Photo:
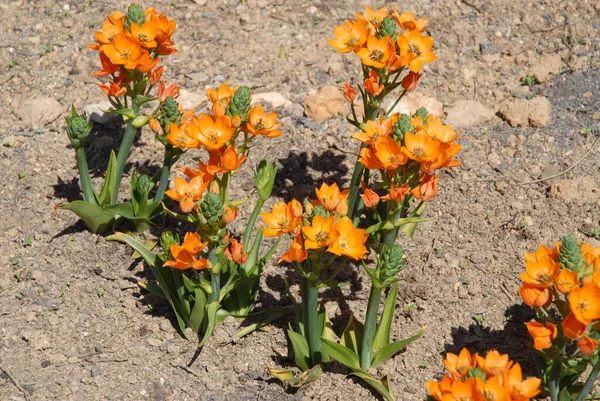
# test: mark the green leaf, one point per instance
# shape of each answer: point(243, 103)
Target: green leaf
point(110, 181)
point(564, 395)
point(273, 314)
point(352, 335)
point(381, 386)
point(409, 220)
point(300, 347)
point(388, 351)
point(308, 376)
point(127, 113)
point(137, 246)
point(373, 276)
point(341, 354)
point(282, 375)
point(382, 335)
point(96, 219)
point(211, 312)
point(198, 311)
point(382, 225)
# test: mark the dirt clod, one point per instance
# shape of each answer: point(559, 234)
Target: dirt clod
point(468, 113)
point(328, 102)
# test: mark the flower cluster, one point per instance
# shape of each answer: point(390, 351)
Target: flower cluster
point(408, 151)
point(568, 276)
point(130, 46)
point(491, 378)
point(386, 42)
point(324, 226)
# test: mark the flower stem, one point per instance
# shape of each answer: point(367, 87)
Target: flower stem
point(370, 328)
point(163, 182)
point(124, 149)
point(589, 382)
point(84, 175)
point(310, 312)
point(251, 222)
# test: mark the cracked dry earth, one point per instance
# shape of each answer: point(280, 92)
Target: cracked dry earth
point(73, 323)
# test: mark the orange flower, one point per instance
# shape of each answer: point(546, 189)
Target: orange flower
point(372, 84)
point(154, 76)
point(283, 219)
point(332, 199)
point(410, 81)
point(320, 233)
point(417, 49)
point(566, 281)
point(492, 389)
point(542, 335)
point(369, 160)
point(296, 253)
point(220, 99)
point(459, 365)
point(373, 132)
point(187, 193)
point(113, 89)
point(437, 390)
point(494, 363)
point(369, 197)
point(377, 52)
point(111, 29)
point(349, 92)
point(203, 172)
point(178, 137)
point(172, 91)
point(211, 132)
point(230, 214)
point(261, 123)
point(542, 252)
point(461, 391)
point(351, 241)
point(145, 63)
point(420, 146)
point(223, 161)
point(585, 302)
point(407, 21)
point(146, 33)
point(235, 252)
point(521, 390)
point(375, 17)
point(587, 345)
point(535, 296)
point(349, 37)
point(436, 129)
point(186, 255)
point(108, 67)
point(389, 153)
point(123, 51)
point(573, 328)
point(540, 273)
point(396, 194)
point(428, 188)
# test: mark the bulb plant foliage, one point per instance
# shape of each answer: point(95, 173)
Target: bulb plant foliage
point(130, 46)
point(562, 284)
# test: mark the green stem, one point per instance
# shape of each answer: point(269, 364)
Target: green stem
point(251, 223)
point(163, 182)
point(387, 113)
point(390, 236)
point(370, 328)
point(553, 382)
point(84, 175)
point(225, 186)
point(589, 382)
point(124, 149)
point(310, 295)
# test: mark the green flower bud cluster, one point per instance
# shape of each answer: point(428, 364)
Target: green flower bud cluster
point(264, 179)
point(401, 127)
point(240, 103)
point(78, 128)
point(391, 261)
point(135, 14)
point(166, 240)
point(388, 28)
point(422, 112)
point(570, 255)
point(211, 207)
point(140, 189)
point(169, 113)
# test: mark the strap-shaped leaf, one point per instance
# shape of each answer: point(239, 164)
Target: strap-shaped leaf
point(273, 314)
point(388, 351)
point(109, 186)
point(96, 219)
point(352, 335)
point(382, 225)
point(308, 376)
point(381, 386)
point(343, 355)
point(211, 313)
point(137, 246)
point(198, 311)
point(300, 347)
point(382, 335)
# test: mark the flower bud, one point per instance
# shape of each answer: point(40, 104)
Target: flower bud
point(264, 179)
point(587, 345)
point(240, 103)
point(570, 255)
point(135, 14)
point(388, 28)
point(166, 240)
point(230, 214)
point(78, 128)
point(212, 207)
point(422, 112)
point(170, 113)
point(410, 81)
point(401, 127)
point(392, 260)
point(140, 121)
point(349, 92)
point(140, 188)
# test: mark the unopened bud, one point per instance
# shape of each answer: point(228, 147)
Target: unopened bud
point(264, 179)
point(240, 103)
point(212, 207)
point(570, 255)
point(135, 14)
point(78, 128)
